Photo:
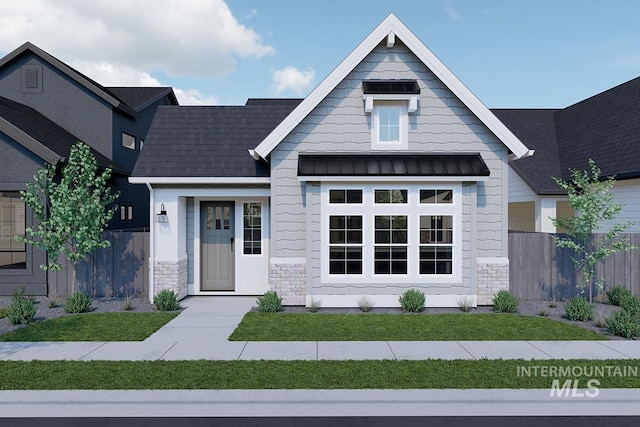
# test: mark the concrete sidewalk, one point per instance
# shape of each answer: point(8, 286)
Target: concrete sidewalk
point(201, 331)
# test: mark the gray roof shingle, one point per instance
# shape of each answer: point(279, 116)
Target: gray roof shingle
point(46, 132)
point(210, 141)
point(604, 127)
point(139, 97)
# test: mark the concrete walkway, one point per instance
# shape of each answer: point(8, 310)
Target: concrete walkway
point(201, 331)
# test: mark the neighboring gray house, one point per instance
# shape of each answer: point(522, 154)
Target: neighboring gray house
point(604, 127)
point(390, 175)
point(45, 108)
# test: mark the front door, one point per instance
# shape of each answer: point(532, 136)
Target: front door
point(216, 237)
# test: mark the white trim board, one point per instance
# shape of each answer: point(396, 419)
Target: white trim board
point(392, 24)
point(452, 300)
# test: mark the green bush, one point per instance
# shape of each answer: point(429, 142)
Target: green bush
point(578, 308)
point(21, 310)
point(631, 303)
point(412, 301)
point(78, 302)
point(166, 300)
point(617, 293)
point(270, 302)
point(504, 302)
point(624, 323)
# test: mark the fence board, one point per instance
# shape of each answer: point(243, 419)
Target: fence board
point(119, 270)
point(540, 270)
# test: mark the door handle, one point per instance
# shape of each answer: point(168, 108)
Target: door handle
point(231, 241)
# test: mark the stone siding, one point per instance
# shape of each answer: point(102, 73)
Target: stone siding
point(289, 281)
point(171, 275)
point(491, 278)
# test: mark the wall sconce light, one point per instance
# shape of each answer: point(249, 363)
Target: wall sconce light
point(162, 216)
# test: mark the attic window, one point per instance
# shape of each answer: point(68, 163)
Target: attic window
point(32, 78)
point(128, 141)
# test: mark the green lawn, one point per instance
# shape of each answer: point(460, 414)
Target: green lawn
point(384, 374)
point(404, 327)
point(92, 327)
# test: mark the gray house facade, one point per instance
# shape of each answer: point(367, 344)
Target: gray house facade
point(45, 108)
point(390, 175)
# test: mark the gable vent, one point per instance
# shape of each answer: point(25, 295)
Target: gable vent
point(32, 78)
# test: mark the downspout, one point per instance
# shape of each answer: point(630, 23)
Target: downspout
point(152, 269)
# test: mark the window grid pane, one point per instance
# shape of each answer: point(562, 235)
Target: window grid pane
point(436, 196)
point(12, 223)
point(436, 244)
point(252, 220)
point(345, 240)
point(389, 124)
point(390, 252)
point(391, 196)
point(345, 196)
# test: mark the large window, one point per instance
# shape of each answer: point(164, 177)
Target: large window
point(391, 232)
point(13, 253)
point(252, 219)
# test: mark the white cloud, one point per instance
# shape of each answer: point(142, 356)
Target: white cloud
point(290, 78)
point(450, 10)
point(198, 37)
point(194, 97)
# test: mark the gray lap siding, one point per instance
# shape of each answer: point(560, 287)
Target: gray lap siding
point(339, 124)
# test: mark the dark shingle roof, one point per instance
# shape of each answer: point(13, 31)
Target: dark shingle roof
point(209, 141)
point(406, 164)
point(139, 97)
point(537, 130)
point(605, 128)
point(46, 132)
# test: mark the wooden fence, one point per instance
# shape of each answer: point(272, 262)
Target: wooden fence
point(119, 270)
point(539, 270)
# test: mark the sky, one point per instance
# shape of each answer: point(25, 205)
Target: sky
point(509, 53)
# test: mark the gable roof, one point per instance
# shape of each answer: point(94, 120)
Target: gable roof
point(41, 136)
point(604, 127)
point(70, 72)
point(391, 26)
point(209, 141)
point(140, 98)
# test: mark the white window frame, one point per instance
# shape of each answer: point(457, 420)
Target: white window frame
point(413, 210)
point(403, 142)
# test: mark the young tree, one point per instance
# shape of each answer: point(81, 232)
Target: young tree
point(71, 208)
point(593, 202)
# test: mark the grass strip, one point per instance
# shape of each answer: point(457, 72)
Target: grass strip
point(385, 374)
point(92, 327)
point(405, 327)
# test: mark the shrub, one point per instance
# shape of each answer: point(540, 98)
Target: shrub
point(465, 304)
point(21, 309)
point(270, 302)
point(624, 323)
point(553, 304)
point(412, 301)
point(127, 303)
point(504, 302)
point(365, 303)
point(314, 305)
point(617, 293)
point(78, 302)
point(543, 312)
point(578, 308)
point(166, 300)
point(53, 302)
point(631, 303)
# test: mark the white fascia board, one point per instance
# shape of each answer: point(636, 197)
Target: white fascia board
point(382, 178)
point(392, 24)
point(181, 180)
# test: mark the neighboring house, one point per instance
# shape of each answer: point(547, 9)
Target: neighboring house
point(390, 175)
point(605, 128)
point(45, 108)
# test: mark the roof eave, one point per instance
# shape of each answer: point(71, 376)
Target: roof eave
point(30, 143)
point(391, 24)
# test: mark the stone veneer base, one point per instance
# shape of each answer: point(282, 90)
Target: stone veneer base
point(490, 279)
point(171, 275)
point(288, 279)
